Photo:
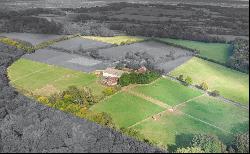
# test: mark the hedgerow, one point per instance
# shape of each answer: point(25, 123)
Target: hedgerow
point(17, 44)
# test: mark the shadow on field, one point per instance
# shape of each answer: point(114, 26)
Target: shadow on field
point(182, 141)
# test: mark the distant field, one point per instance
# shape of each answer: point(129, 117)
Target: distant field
point(34, 39)
point(44, 79)
point(117, 40)
point(177, 128)
point(169, 92)
point(127, 109)
point(79, 43)
point(216, 51)
point(231, 84)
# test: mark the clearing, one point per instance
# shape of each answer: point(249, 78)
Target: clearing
point(217, 51)
point(232, 84)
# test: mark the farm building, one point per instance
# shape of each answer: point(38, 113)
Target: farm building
point(110, 76)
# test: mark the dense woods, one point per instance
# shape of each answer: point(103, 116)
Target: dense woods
point(240, 57)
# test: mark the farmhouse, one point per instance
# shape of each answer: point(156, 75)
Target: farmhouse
point(110, 76)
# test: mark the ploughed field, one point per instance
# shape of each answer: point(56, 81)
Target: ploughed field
point(164, 111)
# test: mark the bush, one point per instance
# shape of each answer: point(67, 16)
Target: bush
point(188, 81)
point(215, 93)
point(180, 78)
point(204, 86)
point(109, 91)
point(208, 143)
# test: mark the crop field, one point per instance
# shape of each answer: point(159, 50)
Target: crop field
point(67, 60)
point(43, 79)
point(34, 39)
point(217, 51)
point(78, 43)
point(232, 84)
point(127, 109)
point(116, 40)
point(167, 91)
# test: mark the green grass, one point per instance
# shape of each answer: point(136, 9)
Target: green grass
point(127, 109)
point(217, 51)
point(176, 129)
point(218, 113)
point(169, 92)
point(232, 84)
point(44, 79)
point(117, 40)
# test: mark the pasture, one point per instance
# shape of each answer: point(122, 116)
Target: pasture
point(116, 40)
point(127, 109)
point(201, 115)
point(217, 51)
point(167, 91)
point(232, 84)
point(43, 79)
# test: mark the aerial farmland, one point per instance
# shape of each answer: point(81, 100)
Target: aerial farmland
point(106, 82)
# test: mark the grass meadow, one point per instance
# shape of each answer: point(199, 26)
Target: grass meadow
point(232, 84)
point(217, 51)
point(43, 79)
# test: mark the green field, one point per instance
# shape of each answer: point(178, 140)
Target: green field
point(117, 40)
point(177, 128)
point(43, 79)
point(127, 109)
point(217, 51)
point(169, 92)
point(223, 115)
point(232, 84)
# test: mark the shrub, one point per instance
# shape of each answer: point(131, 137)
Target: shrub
point(188, 81)
point(204, 86)
point(43, 99)
point(180, 78)
point(215, 93)
point(109, 91)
